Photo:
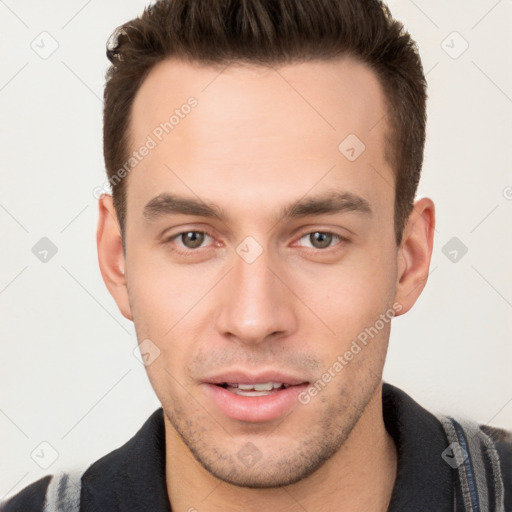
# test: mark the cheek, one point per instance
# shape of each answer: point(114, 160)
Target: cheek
point(352, 294)
point(162, 307)
point(168, 305)
point(161, 293)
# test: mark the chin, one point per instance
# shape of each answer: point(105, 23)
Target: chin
point(272, 474)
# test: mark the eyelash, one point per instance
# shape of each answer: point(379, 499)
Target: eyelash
point(335, 235)
point(182, 250)
point(341, 239)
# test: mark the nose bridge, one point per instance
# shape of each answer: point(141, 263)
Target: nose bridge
point(254, 302)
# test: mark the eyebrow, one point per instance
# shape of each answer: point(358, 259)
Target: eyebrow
point(330, 203)
point(170, 204)
point(166, 204)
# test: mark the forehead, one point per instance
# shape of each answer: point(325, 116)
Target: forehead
point(256, 128)
point(330, 95)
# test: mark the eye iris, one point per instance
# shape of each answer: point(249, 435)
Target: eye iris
point(320, 240)
point(192, 239)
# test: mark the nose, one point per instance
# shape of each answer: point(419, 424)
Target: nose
point(256, 303)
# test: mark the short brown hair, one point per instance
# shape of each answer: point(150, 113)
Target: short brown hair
point(268, 32)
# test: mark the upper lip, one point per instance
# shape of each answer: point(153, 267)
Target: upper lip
point(243, 377)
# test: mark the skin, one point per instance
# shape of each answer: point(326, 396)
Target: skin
point(259, 139)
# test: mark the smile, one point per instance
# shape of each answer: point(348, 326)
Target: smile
point(263, 389)
point(252, 398)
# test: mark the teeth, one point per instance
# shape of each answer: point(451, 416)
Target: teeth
point(251, 393)
point(261, 389)
point(245, 387)
point(264, 386)
point(267, 386)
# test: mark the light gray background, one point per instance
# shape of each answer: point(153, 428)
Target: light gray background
point(68, 374)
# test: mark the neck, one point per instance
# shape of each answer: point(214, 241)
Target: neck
point(359, 477)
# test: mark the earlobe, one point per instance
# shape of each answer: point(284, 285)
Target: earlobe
point(415, 253)
point(110, 254)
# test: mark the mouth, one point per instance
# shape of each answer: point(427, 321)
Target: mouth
point(254, 398)
point(262, 389)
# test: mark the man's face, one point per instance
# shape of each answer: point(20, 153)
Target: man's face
point(255, 296)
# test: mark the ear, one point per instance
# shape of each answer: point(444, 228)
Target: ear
point(414, 254)
point(110, 254)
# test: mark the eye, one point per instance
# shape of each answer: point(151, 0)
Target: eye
point(321, 239)
point(190, 239)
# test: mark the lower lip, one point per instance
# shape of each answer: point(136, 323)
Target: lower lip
point(257, 408)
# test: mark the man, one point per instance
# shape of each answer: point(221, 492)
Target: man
point(261, 234)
